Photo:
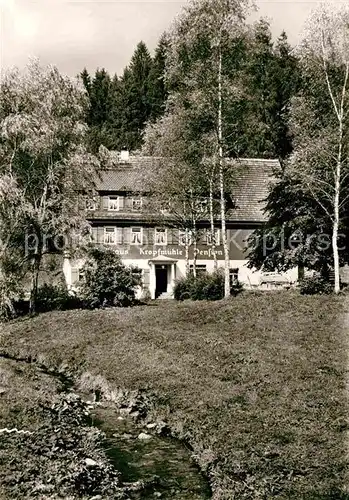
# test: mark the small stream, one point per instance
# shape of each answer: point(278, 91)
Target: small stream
point(163, 463)
point(137, 459)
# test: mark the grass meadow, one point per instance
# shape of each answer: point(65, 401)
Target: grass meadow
point(257, 385)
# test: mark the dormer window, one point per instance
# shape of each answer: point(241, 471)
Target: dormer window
point(137, 204)
point(91, 203)
point(113, 203)
point(165, 208)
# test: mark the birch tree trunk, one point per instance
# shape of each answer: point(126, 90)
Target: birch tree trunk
point(221, 180)
point(340, 112)
point(194, 248)
point(213, 242)
point(336, 211)
point(187, 265)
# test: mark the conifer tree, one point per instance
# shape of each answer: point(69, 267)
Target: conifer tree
point(86, 80)
point(157, 87)
point(135, 107)
point(99, 97)
point(99, 109)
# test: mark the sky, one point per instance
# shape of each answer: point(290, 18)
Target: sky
point(73, 34)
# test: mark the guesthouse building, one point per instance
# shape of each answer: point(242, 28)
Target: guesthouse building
point(119, 218)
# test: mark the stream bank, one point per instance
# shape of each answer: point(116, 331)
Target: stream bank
point(149, 464)
point(139, 454)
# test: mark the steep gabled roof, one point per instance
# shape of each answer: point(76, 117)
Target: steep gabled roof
point(126, 176)
point(253, 178)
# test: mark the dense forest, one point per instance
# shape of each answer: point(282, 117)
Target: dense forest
point(268, 73)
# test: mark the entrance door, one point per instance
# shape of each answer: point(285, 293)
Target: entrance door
point(161, 279)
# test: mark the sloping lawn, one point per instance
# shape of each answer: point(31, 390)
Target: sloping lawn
point(257, 384)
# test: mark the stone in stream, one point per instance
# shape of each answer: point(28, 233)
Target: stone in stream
point(151, 426)
point(144, 436)
point(126, 436)
point(124, 411)
point(134, 414)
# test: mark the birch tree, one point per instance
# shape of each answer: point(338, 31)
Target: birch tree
point(176, 183)
point(320, 118)
point(199, 43)
point(42, 151)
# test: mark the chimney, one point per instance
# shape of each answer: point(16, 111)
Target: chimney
point(124, 156)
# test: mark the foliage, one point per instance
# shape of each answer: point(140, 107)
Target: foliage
point(312, 285)
point(272, 77)
point(158, 92)
point(51, 460)
point(118, 108)
point(203, 287)
point(296, 232)
point(53, 297)
point(276, 361)
point(307, 208)
point(320, 119)
point(44, 159)
point(107, 281)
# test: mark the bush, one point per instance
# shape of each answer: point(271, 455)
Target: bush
point(313, 285)
point(107, 281)
point(204, 287)
point(53, 297)
point(51, 462)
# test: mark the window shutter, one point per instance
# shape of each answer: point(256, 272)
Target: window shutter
point(175, 236)
point(105, 201)
point(74, 275)
point(146, 277)
point(128, 203)
point(121, 202)
point(100, 234)
point(126, 235)
point(119, 235)
point(170, 236)
point(147, 236)
point(94, 234)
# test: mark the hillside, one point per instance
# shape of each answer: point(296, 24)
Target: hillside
point(256, 385)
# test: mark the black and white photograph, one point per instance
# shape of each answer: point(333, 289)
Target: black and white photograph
point(174, 250)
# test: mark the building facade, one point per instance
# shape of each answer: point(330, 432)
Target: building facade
point(119, 218)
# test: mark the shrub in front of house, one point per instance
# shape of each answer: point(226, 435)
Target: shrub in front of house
point(314, 285)
point(106, 281)
point(204, 287)
point(55, 298)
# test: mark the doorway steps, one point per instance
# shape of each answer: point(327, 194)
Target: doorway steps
point(165, 296)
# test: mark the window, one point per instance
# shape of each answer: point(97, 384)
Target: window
point(113, 203)
point(200, 269)
point(165, 208)
point(160, 236)
point(184, 237)
point(110, 235)
point(136, 236)
point(136, 204)
point(233, 276)
point(209, 237)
